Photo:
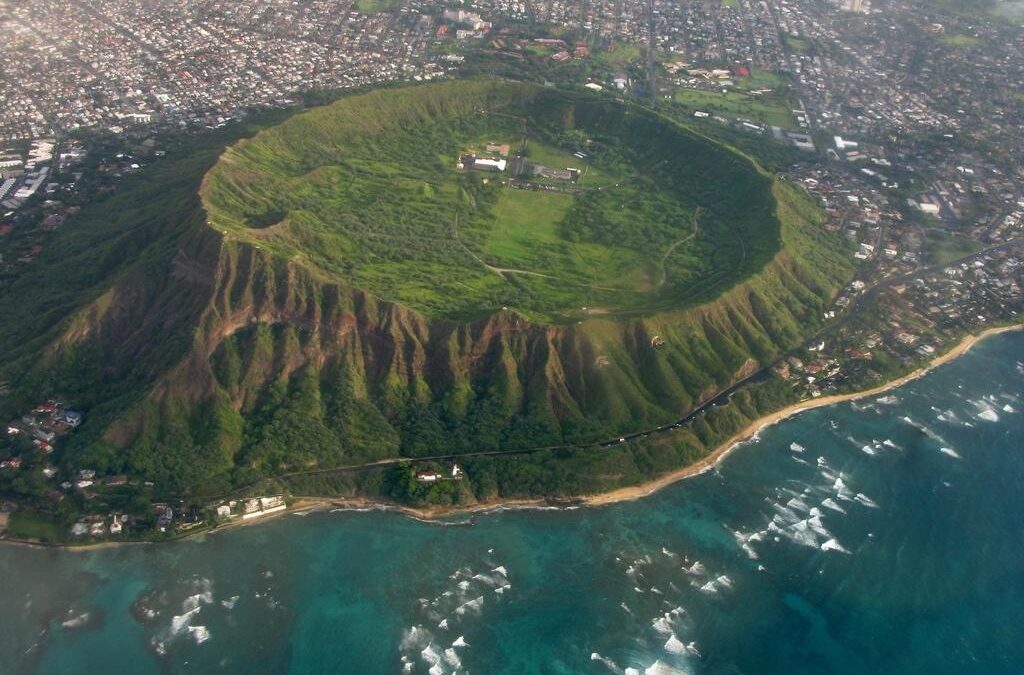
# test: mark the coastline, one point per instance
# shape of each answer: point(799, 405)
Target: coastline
point(752, 429)
point(309, 504)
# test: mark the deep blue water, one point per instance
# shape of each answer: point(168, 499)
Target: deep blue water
point(880, 537)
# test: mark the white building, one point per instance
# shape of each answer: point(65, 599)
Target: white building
point(488, 164)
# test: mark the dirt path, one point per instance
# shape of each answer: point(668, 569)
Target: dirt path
point(502, 271)
point(668, 252)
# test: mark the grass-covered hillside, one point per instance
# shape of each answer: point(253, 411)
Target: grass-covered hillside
point(317, 308)
point(368, 191)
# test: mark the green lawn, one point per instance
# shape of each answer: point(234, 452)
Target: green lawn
point(620, 55)
point(944, 246)
point(762, 79)
point(26, 525)
point(1010, 11)
point(375, 6)
point(526, 222)
point(961, 40)
point(770, 109)
point(796, 43)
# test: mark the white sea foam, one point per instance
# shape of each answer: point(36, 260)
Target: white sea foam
point(76, 621)
point(193, 601)
point(801, 533)
point(865, 500)
point(414, 638)
point(695, 569)
point(500, 569)
point(663, 624)
point(486, 579)
point(833, 545)
point(830, 503)
point(460, 642)
point(473, 606)
point(432, 659)
point(500, 590)
point(674, 645)
point(443, 625)
point(889, 399)
point(1009, 408)
point(181, 621)
point(798, 504)
point(743, 540)
point(230, 602)
point(659, 668)
point(784, 514)
point(926, 431)
point(988, 415)
point(709, 588)
point(199, 633)
point(814, 522)
point(611, 665)
point(451, 658)
point(796, 447)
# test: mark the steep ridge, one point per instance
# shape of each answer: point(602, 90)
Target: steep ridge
point(277, 366)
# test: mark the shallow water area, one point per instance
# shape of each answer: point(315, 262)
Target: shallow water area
point(875, 536)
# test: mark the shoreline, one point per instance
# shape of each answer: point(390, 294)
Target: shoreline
point(310, 504)
point(752, 429)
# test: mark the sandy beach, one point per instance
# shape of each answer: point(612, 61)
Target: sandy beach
point(638, 491)
point(309, 504)
point(705, 464)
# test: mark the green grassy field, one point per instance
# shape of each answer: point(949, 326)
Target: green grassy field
point(770, 109)
point(375, 6)
point(944, 247)
point(526, 222)
point(961, 40)
point(1010, 11)
point(762, 79)
point(620, 55)
point(367, 190)
point(28, 525)
point(594, 174)
point(796, 43)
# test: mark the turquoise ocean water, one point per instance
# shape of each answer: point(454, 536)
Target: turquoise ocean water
point(885, 536)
